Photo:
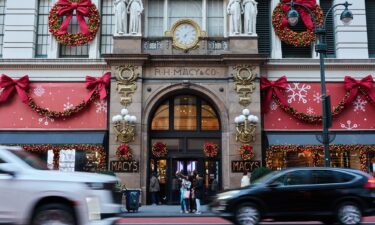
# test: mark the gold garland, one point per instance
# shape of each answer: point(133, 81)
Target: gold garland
point(64, 114)
point(78, 147)
point(210, 149)
point(246, 152)
point(159, 149)
point(304, 38)
point(363, 151)
point(70, 39)
point(124, 152)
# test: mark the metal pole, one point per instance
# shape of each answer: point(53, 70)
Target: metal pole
point(325, 136)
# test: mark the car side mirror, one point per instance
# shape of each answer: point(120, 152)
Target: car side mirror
point(274, 185)
point(8, 168)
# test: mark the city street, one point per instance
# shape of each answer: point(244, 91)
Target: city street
point(205, 220)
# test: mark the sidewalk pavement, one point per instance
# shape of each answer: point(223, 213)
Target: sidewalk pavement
point(164, 211)
point(174, 211)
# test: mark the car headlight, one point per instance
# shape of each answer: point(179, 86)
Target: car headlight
point(95, 185)
point(226, 195)
point(93, 206)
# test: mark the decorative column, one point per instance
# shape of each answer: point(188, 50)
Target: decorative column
point(19, 28)
point(276, 52)
point(348, 47)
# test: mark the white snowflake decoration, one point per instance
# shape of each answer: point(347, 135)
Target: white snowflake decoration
point(68, 106)
point(101, 106)
point(1, 90)
point(39, 90)
point(310, 110)
point(348, 125)
point(317, 97)
point(46, 120)
point(359, 104)
point(298, 93)
point(273, 105)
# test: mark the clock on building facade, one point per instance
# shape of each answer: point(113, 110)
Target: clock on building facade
point(185, 34)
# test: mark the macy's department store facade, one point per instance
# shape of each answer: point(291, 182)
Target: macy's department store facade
point(184, 107)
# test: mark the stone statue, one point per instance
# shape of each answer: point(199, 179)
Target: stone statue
point(250, 16)
point(135, 9)
point(121, 20)
point(234, 11)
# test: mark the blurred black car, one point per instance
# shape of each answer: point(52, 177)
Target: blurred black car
point(301, 194)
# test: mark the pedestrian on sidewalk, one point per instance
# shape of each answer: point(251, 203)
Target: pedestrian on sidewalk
point(245, 180)
point(198, 190)
point(184, 192)
point(154, 188)
point(192, 206)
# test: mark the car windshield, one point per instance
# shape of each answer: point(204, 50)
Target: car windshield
point(265, 178)
point(31, 160)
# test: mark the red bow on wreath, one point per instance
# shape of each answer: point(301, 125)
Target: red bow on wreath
point(302, 11)
point(124, 149)
point(21, 85)
point(247, 149)
point(353, 85)
point(82, 10)
point(99, 84)
point(270, 87)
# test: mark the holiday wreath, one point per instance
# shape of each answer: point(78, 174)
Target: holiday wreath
point(159, 149)
point(124, 152)
point(287, 35)
point(58, 26)
point(246, 152)
point(210, 149)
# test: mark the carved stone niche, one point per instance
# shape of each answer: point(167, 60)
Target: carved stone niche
point(126, 83)
point(244, 79)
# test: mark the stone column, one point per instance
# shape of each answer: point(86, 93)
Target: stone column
point(95, 44)
point(235, 109)
point(20, 28)
point(276, 52)
point(132, 97)
point(351, 40)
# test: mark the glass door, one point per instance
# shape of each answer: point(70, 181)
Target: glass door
point(186, 167)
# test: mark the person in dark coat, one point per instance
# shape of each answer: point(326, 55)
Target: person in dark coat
point(191, 201)
point(198, 190)
point(154, 188)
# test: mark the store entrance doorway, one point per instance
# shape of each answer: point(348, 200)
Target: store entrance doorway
point(185, 167)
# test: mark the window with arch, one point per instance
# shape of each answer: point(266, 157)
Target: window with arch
point(185, 113)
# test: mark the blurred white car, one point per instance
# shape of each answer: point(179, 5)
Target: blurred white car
point(32, 194)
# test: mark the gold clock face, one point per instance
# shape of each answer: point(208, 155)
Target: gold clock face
point(186, 34)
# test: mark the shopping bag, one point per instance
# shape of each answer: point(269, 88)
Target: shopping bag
point(187, 194)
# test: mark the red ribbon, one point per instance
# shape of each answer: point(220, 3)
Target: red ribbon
point(82, 10)
point(302, 11)
point(354, 85)
point(98, 84)
point(124, 149)
point(21, 85)
point(270, 87)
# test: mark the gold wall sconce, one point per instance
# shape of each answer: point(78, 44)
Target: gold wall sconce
point(124, 126)
point(246, 126)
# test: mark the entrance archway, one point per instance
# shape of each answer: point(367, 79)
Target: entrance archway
point(184, 122)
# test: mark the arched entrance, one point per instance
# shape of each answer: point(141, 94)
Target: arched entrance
point(184, 122)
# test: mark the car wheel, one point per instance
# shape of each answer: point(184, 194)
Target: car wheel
point(349, 213)
point(247, 214)
point(53, 214)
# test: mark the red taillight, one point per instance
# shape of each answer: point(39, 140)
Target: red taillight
point(370, 184)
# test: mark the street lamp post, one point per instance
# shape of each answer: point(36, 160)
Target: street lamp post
point(321, 48)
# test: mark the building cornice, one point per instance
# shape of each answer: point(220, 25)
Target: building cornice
point(314, 64)
point(183, 60)
point(61, 63)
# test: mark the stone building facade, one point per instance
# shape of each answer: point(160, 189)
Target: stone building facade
point(184, 93)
